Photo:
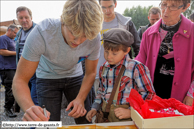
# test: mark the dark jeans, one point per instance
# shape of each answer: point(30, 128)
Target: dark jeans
point(7, 77)
point(50, 92)
point(32, 85)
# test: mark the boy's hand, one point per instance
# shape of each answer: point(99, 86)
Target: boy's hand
point(91, 114)
point(122, 113)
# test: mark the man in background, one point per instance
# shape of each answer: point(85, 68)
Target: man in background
point(24, 17)
point(8, 66)
point(113, 19)
point(154, 15)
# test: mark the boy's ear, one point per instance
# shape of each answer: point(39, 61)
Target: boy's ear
point(128, 50)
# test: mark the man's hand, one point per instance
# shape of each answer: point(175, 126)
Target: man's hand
point(35, 113)
point(122, 113)
point(78, 108)
point(188, 101)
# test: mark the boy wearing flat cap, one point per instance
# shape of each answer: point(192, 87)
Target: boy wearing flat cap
point(117, 43)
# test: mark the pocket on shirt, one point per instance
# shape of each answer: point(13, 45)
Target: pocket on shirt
point(126, 82)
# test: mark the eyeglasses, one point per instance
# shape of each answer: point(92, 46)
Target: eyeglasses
point(172, 8)
point(15, 32)
point(105, 8)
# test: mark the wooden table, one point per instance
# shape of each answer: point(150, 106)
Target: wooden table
point(109, 125)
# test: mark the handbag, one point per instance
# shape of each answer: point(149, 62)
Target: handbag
point(105, 114)
point(100, 117)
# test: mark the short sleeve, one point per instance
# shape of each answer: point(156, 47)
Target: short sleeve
point(95, 54)
point(3, 43)
point(34, 45)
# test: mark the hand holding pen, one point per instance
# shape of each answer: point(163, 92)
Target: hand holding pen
point(44, 110)
point(36, 113)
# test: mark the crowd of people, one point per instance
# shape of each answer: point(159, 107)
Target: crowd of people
point(46, 61)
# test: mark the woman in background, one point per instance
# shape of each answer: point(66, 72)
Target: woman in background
point(167, 49)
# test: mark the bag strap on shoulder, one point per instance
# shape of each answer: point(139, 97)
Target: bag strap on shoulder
point(117, 82)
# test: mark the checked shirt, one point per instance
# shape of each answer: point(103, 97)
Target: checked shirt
point(136, 76)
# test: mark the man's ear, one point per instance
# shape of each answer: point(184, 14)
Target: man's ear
point(9, 30)
point(115, 4)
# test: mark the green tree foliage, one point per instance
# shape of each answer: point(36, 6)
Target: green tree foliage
point(138, 14)
point(190, 10)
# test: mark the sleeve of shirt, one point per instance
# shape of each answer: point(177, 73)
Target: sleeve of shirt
point(95, 54)
point(98, 100)
point(137, 40)
point(142, 56)
point(34, 46)
point(143, 81)
point(3, 43)
point(139, 33)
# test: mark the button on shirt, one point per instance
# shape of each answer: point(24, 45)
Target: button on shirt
point(136, 76)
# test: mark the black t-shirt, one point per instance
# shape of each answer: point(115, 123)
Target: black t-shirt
point(164, 71)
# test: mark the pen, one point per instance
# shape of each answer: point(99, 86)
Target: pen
point(44, 109)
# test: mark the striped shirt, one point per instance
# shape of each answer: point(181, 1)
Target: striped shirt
point(136, 76)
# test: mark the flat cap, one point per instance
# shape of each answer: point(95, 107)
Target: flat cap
point(119, 36)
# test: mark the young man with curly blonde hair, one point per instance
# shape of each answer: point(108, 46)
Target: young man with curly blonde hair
point(54, 49)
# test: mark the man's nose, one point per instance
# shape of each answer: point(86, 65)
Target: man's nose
point(23, 19)
point(107, 10)
point(78, 40)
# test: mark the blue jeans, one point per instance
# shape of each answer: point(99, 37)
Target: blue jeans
point(50, 92)
point(32, 85)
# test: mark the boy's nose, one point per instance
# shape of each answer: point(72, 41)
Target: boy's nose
point(109, 56)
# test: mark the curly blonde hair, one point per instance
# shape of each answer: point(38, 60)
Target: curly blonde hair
point(84, 17)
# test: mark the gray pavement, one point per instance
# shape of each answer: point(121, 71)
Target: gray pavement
point(66, 120)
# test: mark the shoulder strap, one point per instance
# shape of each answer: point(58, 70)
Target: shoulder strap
point(103, 69)
point(115, 88)
point(143, 29)
point(116, 94)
